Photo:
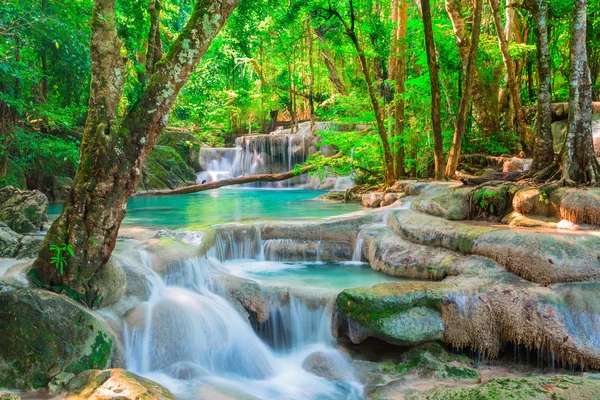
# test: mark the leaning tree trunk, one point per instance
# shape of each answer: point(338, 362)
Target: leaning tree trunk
point(334, 76)
point(543, 153)
point(114, 148)
point(436, 102)
point(461, 121)
point(525, 131)
point(581, 165)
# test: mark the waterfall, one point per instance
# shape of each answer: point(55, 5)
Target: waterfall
point(189, 338)
point(216, 164)
point(357, 255)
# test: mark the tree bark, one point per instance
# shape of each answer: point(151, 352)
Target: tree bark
point(581, 165)
point(543, 153)
point(461, 121)
point(155, 48)
point(311, 79)
point(526, 134)
point(397, 73)
point(114, 148)
point(438, 145)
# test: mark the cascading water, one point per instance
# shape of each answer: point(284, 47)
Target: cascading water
point(216, 164)
point(191, 339)
point(357, 255)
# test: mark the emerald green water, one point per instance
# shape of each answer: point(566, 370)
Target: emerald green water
point(198, 210)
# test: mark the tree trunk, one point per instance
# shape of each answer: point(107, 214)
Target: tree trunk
point(461, 121)
point(155, 48)
point(438, 145)
point(334, 76)
point(525, 131)
point(311, 79)
point(581, 165)
point(114, 149)
point(397, 73)
point(543, 153)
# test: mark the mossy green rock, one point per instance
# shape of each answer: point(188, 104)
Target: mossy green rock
point(452, 205)
point(531, 388)
point(44, 334)
point(399, 313)
point(115, 384)
point(24, 211)
point(185, 144)
point(165, 169)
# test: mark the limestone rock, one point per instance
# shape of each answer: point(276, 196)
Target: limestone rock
point(109, 283)
point(29, 246)
point(390, 198)
point(372, 199)
point(115, 384)
point(23, 211)
point(454, 204)
point(580, 206)
point(517, 164)
point(532, 201)
point(330, 364)
point(44, 334)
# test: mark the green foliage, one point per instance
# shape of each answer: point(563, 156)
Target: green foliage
point(59, 259)
point(486, 199)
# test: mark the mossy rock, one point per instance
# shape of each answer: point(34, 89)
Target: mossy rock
point(165, 169)
point(185, 144)
point(44, 334)
point(492, 202)
point(452, 205)
point(24, 211)
point(115, 384)
point(531, 388)
point(9, 241)
point(406, 313)
point(431, 360)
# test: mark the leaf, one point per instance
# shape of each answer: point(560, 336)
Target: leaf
point(70, 251)
point(56, 44)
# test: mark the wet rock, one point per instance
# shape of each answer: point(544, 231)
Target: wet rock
point(23, 211)
point(533, 388)
point(115, 384)
point(454, 204)
point(403, 314)
point(329, 364)
point(184, 143)
point(372, 199)
point(45, 334)
point(516, 219)
point(333, 195)
point(390, 198)
point(298, 250)
point(109, 283)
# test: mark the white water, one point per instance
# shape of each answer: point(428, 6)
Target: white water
point(192, 340)
point(357, 255)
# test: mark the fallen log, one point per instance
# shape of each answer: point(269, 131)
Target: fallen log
point(499, 176)
point(235, 181)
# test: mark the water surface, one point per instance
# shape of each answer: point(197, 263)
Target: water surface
point(198, 210)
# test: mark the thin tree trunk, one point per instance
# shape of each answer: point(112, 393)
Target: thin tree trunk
point(438, 146)
point(311, 70)
point(114, 148)
point(581, 165)
point(525, 131)
point(461, 121)
point(155, 48)
point(397, 73)
point(543, 153)
point(334, 76)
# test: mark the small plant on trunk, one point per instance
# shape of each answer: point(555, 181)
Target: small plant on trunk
point(59, 260)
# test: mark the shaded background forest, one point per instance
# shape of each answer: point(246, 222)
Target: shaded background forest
point(276, 63)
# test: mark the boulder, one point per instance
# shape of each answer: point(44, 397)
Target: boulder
point(531, 388)
point(330, 364)
point(23, 211)
point(45, 334)
point(29, 246)
point(517, 164)
point(372, 199)
point(580, 206)
point(109, 283)
point(402, 314)
point(333, 195)
point(165, 169)
point(492, 201)
point(115, 384)
point(453, 204)
point(559, 134)
point(9, 241)
point(184, 143)
point(390, 198)
point(533, 201)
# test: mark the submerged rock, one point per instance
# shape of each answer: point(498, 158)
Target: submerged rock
point(44, 334)
point(330, 364)
point(115, 384)
point(23, 211)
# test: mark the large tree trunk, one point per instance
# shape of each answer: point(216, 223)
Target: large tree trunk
point(581, 165)
point(543, 153)
point(461, 121)
point(397, 73)
point(114, 149)
point(525, 131)
point(438, 145)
